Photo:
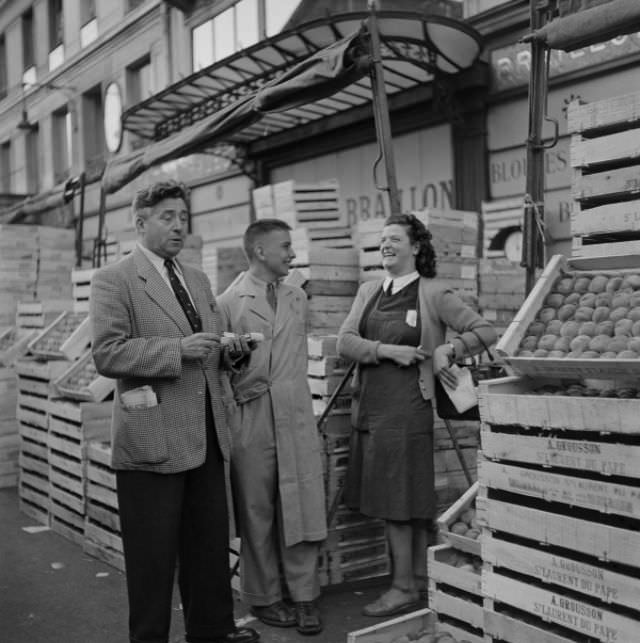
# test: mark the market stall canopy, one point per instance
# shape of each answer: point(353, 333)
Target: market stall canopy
point(590, 26)
point(313, 72)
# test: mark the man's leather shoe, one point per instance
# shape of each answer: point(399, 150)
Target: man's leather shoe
point(240, 635)
point(308, 618)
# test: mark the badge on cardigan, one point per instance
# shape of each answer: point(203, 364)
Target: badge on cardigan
point(412, 318)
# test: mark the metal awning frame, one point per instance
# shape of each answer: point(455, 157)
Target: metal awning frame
point(212, 88)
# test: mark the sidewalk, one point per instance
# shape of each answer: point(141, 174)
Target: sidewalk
point(52, 592)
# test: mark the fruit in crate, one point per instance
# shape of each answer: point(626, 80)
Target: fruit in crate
point(82, 377)
point(597, 313)
point(577, 389)
point(53, 339)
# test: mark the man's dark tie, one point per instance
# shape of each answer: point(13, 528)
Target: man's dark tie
point(272, 296)
point(390, 288)
point(183, 297)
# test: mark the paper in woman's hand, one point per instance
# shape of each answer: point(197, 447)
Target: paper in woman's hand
point(464, 395)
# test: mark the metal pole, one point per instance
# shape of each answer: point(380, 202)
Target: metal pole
point(80, 229)
point(381, 111)
point(532, 243)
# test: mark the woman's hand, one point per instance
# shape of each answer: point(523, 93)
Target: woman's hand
point(442, 361)
point(401, 354)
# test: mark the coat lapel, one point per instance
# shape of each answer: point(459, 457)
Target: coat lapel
point(160, 292)
point(257, 300)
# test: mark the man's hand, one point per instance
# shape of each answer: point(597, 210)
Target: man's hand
point(198, 345)
point(401, 354)
point(442, 361)
point(237, 347)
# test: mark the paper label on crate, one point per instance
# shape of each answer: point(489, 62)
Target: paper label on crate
point(143, 397)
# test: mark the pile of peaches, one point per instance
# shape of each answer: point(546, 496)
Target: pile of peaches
point(587, 317)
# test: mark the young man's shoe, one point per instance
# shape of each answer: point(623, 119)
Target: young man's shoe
point(308, 618)
point(277, 614)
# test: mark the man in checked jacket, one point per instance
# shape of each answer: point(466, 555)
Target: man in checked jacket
point(156, 331)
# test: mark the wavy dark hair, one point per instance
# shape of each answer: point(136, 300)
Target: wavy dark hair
point(146, 198)
point(418, 233)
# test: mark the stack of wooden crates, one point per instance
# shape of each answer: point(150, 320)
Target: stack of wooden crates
point(558, 481)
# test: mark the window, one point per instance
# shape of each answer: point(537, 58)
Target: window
point(202, 45)
point(62, 144)
point(56, 34)
point(56, 24)
point(139, 81)
point(28, 38)
point(87, 11)
point(230, 31)
point(277, 14)
point(88, 22)
point(93, 129)
point(3, 67)
point(248, 31)
point(5, 168)
point(33, 162)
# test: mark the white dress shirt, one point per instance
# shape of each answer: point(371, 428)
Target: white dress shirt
point(158, 263)
point(400, 282)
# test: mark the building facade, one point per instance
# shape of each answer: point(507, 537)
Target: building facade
point(70, 68)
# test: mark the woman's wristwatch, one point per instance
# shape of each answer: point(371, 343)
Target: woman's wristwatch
point(453, 351)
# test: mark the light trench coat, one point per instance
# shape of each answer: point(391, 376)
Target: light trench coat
point(278, 369)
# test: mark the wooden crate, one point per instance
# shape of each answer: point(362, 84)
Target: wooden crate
point(315, 204)
point(335, 472)
point(452, 515)
point(413, 624)
point(594, 579)
point(102, 535)
point(9, 449)
point(319, 346)
point(81, 288)
point(358, 571)
point(39, 314)
point(541, 446)
point(326, 366)
point(453, 603)
point(8, 394)
point(79, 423)
point(82, 382)
point(562, 526)
point(604, 159)
point(506, 624)
point(512, 401)
point(14, 344)
point(67, 337)
point(361, 530)
point(552, 485)
point(566, 367)
point(342, 405)
point(445, 567)
point(588, 618)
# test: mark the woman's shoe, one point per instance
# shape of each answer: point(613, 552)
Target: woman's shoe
point(392, 602)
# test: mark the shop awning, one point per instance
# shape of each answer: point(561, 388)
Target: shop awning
point(316, 71)
point(590, 26)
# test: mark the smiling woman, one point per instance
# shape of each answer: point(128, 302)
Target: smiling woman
point(396, 334)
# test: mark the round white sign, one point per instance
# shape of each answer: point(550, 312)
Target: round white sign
point(112, 117)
